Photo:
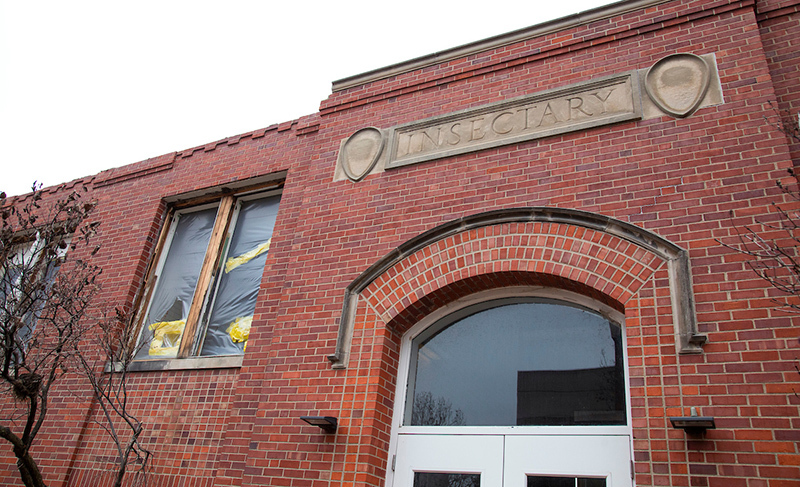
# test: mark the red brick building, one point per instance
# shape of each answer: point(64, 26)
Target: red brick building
point(500, 262)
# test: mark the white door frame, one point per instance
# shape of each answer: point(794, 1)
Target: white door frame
point(590, 433)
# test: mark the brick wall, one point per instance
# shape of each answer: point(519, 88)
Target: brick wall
point(693, 181)
point(780, 27)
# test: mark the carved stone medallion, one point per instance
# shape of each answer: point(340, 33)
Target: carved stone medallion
point(678, 83)
point(361, 152)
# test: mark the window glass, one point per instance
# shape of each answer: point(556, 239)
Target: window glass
point(172, 297)
point(424, 479)
point(239, 277)
point(20, 277)
point(11, 275)
point(539, 362)
point(540, 481)
point(16, 269)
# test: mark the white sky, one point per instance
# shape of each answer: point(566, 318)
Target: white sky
point(90, 85)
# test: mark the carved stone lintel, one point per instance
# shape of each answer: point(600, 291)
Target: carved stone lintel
point(677, 85)
point(581, 106)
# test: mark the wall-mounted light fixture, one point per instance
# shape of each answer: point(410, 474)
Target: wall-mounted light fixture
point(693, 423)
point(327, 423)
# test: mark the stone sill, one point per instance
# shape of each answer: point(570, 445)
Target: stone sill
point(194, 363)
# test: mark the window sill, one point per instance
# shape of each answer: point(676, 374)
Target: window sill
point(195, 363)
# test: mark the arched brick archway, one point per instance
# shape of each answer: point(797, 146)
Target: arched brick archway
point(609, 270)
point(600, 257)
point(616, 264)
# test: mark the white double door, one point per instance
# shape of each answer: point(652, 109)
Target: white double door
point(512, 460)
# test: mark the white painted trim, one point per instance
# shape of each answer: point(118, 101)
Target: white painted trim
point(400, 400)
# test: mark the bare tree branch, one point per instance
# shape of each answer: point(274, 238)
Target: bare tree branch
point(47, 285)
point(108, 377)
point(774, 248)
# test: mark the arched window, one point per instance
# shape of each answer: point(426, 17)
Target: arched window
point(516, 391)
point(519, 362)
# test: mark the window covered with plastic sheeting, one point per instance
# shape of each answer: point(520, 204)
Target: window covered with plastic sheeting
point(239, 277)
point(176, 282)
point(205, 286)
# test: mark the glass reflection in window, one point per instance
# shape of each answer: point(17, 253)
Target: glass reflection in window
point(529, 362)
point(424, 479)
point(565, 482)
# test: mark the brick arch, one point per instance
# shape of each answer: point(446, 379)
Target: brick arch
point(601, 257)
point(443, 296)
point(549, 254)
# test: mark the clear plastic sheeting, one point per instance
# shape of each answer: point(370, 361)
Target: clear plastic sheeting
point(177, 281)
point(236, 291)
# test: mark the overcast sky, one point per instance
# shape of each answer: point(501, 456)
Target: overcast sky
point(91, 85)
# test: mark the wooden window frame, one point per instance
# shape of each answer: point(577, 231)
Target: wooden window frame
point(190, 339)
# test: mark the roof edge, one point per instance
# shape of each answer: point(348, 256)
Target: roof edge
point(563, 23)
